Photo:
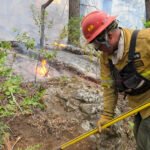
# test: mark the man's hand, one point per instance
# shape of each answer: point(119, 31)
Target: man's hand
point(103, 120)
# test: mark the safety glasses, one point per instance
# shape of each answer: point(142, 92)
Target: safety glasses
point(103, 37)
point(100, 39)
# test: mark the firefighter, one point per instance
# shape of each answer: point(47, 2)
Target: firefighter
point(124, 68)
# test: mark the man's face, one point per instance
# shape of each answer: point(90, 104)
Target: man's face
point(107, 43)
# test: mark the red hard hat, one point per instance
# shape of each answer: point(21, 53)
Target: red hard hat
point(95, 23)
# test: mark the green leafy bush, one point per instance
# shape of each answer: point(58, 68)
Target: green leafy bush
point(26, 39)
point(147, 24)
point(3, 128)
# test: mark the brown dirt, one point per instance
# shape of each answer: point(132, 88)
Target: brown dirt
point(47, 128)
point(59, 123)
point(31, 134)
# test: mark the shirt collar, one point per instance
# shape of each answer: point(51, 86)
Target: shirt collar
point(118, 54)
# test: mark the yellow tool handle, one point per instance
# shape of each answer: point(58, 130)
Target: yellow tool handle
point(117, 119)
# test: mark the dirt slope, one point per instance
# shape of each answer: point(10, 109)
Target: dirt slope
point(72, 107)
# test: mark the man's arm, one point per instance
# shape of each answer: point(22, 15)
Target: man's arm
point(109, 95)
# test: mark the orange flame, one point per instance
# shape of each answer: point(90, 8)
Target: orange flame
point(42, 69)
point(59, 45)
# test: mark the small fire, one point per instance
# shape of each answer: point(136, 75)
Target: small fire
point(42, 69)
point(59, 45)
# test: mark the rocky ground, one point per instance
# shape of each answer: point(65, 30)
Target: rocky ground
point(73, 105)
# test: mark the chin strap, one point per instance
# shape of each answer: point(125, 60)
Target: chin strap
point(106, 43)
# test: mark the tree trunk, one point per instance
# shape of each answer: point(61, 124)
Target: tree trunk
point(43, 7)
point(74, 23)
point(147, 6)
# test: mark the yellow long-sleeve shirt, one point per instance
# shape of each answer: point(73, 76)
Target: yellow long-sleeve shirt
point(142, 66)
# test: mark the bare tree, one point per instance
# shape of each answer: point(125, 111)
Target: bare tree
point(43, 7)
point(147, 6)
point(74, 14)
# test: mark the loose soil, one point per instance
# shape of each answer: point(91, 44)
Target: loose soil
point(52, 126)
point(62, 120)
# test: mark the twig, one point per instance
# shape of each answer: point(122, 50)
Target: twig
point(16, 142)
point(12, 118)
point(15, 101)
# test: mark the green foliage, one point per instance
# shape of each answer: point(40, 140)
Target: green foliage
point(147, 24)
point(5, 86)
point(10, 88)
point(4, 71)
point(34, 147)
point(72, 30)
point(131, 125)
point(64, 33)
point(33, 101)
point(30, 43)
point(36, 15)
point(26, 39)
point(48, 54)
point(5, 45)
point(3, 128)
point(24, 36)
point(11, 85)
point(7, 110)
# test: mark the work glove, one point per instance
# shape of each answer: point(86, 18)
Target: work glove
point(103, 120)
